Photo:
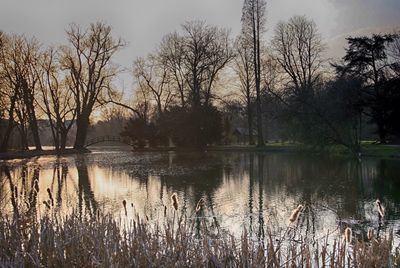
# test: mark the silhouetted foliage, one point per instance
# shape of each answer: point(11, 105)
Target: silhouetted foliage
point(366, 59)
point(139, 132)
point(195, 128)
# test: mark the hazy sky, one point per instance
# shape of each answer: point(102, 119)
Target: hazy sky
point(142, 23)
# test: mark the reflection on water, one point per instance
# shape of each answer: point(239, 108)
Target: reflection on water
point(255, 190)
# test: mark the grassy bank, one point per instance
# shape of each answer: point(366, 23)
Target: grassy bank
point(103, 241)
point(369, 149)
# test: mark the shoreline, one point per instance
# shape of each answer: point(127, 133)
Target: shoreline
point(374, 151)
point(34, 153)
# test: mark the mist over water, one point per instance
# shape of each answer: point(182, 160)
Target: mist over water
point(256, 190)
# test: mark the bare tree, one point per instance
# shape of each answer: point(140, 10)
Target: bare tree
point(19, 59)
point(171, 56)
point(193, 59)
point(154, 77)
point(253, 26)
point(299, 50)
point(88, 61)
point(206, 52)
point(244, 69)
point(56, 98)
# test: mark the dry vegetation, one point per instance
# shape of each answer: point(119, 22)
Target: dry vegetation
point(103, 241)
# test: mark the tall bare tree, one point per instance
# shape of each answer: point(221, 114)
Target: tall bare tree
point(19, 58)
point(194, 58)
point(253, 26)
point(154, 77)
point(171, 55)
point(244, 69)
point(207, 51)
point(299, 50)
point(56, 98)
point(88, 61)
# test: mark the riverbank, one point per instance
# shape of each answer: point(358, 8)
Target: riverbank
point(34, 153)
point(368, 150)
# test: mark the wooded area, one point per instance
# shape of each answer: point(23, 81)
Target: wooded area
point(200, 86)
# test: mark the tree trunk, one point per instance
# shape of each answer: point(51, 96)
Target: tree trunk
point(381, 133)
point(63, 139)
point(82, 125)
point(35, 130)
point(260, 137)
point(24, 138)
point(10, 126)
point(7, 134)
point(250, 122)
point(6, 138)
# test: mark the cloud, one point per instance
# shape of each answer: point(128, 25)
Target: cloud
point(143, 23)
point(361, 14)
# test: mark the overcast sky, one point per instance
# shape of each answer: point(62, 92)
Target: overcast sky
point(142, 23)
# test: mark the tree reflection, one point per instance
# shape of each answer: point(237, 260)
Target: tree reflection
point(86, 200)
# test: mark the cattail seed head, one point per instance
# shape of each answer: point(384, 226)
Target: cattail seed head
point(124, 204)
point(50, 196)
point(36, 186)
point(15, 192)
point(370, 234)
point(47, 204)
point(295, 214)
point(380, 208)
point(174, 201)
point(348, 233)
point(200, 205)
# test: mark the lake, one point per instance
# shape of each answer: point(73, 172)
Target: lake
point(255, 190)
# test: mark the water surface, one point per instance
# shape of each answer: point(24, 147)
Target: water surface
point(255, 190)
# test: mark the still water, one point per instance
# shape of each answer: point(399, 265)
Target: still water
point(255, 190)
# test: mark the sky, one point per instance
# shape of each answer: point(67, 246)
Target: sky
point(143, 23)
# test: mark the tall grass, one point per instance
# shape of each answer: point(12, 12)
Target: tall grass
point(104, 241)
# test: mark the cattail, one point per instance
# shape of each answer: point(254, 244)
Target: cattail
point(174, 201)
point(50, 196)
point(381, 209)
point(131, 204)
point(47, 204)
point(36, 185)
point(348, 233)
point(165, 211)
point(15, 192)
point(370, 234)
point(124, 204)
point(200, 205)
point(295, 214)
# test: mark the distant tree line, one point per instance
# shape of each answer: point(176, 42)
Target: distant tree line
point(199, 83)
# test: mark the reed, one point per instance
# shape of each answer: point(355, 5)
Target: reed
point(174, 201)
point(104, 241)
point(295, 214)
point(381, 209)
